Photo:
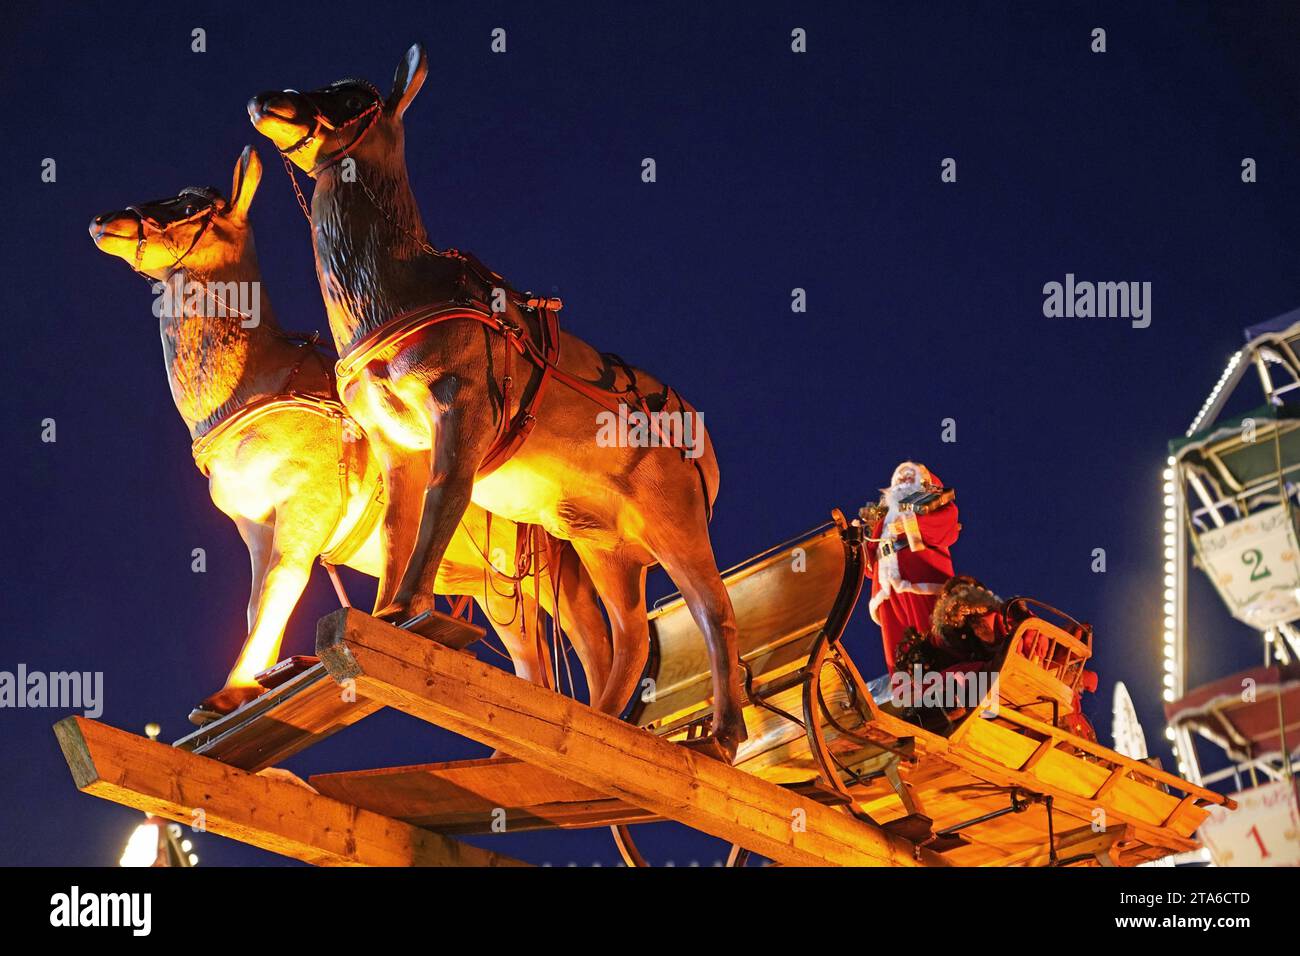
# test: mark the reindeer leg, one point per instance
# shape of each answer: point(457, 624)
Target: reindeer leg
point(405, 478)
point(461, 424)
point(259, 536)
point(286, 566)
point(580, 618)
point(687, 557)
point(520, 635)
point(621, 584)
point(283, 586)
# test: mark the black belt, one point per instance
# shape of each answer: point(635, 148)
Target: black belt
point(886, 548)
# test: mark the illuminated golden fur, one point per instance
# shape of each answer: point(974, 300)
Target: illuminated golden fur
point(277, 478)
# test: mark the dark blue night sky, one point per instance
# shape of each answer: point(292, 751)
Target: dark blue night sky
point(775, 171)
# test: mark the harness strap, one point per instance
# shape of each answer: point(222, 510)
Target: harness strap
point(546, 359)
point(307, 346)
point(207, 444)
point(511, 437)
point(360, 530)
point(511, 432)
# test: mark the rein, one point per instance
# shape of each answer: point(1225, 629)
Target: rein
point(372, 112)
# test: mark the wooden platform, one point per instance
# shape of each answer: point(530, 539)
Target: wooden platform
point(573, 767)
point(471, 796)
point(272, 728)
point(476, 700)
point(309, 707)
point(263, 811)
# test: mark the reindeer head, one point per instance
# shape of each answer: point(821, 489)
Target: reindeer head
point(195, 229)
point(348, 117)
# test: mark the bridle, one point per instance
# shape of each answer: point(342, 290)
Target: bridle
point(216, 204)
point(322, 123)
point(211, 199)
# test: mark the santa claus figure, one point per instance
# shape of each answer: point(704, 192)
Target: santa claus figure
point(910, 532)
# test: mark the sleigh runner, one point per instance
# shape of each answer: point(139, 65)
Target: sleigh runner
point(1001, 782)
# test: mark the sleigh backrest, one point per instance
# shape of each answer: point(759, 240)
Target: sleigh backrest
point(782, 599)
point(1045, 664)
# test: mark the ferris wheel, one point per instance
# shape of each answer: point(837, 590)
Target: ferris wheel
point(1231, 495)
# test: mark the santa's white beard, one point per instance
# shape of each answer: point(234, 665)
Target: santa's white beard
point(895, 494)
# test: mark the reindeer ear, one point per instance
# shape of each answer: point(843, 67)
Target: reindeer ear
point(248, 173)
point(408, 79)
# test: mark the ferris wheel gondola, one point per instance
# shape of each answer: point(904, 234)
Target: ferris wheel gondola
point(1231, 507)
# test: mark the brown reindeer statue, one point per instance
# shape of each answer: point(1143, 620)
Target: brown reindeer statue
point(469, 393)
point(285, 462)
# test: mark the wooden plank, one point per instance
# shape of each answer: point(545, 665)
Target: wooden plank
point(310, 707)
point(1072, 798)
point(1188, 802)
point(479, 701)
point(269, 729)
point(265, 812)
point(1082, 842)
point(476, 796)
point(1038, 755)
point(1116, 775)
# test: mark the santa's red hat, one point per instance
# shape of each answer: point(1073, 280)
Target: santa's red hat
point(924, 476)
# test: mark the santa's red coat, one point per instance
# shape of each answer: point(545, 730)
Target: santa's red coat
point(922, 574)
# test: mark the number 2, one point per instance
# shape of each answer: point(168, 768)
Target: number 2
point(1255, 558)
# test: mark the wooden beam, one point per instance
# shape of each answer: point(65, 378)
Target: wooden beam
point(474, 796)
point(1084, 841)
point(265, 812)
point(1116, 775)
point(309, 707)
point(1036, 757)
point(458, 692)
point(269, 729)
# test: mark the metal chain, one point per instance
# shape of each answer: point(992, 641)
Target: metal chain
point(422, 243)
point(297, 191)
point(306, 210)
point(198, 275)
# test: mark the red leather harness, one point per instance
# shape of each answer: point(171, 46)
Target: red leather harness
point(543, 356)
point(511, 432)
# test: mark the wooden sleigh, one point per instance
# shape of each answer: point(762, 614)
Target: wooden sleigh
point(829, 774)
point(997, 783)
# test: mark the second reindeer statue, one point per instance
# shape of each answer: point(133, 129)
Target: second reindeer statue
point(431, 344)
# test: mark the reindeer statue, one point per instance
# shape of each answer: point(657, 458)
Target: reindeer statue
point(431, 344)
point(283, 459)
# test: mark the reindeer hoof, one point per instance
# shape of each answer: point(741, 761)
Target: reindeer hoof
point(713, 747)
point(223, 702)
point(393, 614)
